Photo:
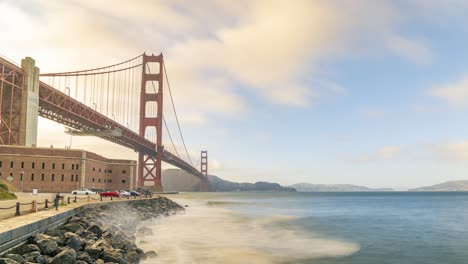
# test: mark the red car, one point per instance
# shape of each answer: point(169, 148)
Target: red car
point(110, 194)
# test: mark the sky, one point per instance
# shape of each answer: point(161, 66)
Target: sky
point(362, 92)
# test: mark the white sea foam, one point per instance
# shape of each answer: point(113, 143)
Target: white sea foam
point(206, 234)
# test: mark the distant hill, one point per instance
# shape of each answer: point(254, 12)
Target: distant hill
point(308, 187)
point(220, 185)
point(450, 186)
point(178, 180)
point(175, 180)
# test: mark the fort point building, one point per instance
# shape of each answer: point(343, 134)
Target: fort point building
point(63, 170)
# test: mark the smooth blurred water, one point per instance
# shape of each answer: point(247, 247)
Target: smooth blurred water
point(319, 228)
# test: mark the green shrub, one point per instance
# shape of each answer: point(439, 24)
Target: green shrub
point(3, 186)
point(7, 196)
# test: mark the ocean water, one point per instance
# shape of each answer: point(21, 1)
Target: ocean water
point(319, 228)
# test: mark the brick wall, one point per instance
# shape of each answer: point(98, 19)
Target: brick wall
point(60, 170)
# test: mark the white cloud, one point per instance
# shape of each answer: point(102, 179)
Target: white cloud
point(453, 93)
point(452, 151)
point(272, 48)
point(388, 152)
point(415, 50)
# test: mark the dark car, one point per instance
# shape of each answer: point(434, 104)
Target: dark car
point(134, 193)
point(110, 194)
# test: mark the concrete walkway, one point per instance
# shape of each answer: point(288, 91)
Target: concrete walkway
point(8, 221)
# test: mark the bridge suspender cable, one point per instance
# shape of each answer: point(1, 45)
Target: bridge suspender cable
point(164, 120)
point(175, 112)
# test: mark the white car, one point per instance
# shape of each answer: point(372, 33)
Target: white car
point(83, 191)
point(124, 193)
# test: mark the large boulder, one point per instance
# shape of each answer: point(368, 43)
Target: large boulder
point(55, 232)
point(75, 242)
point(132, 257)
point(96, 249)
point(8, 261)
point(66, 256)
point(73, 227)
point(95, 229)
point(35, 257)
point(24, 249)
point(112, 255)
point(83, 256)
point(16, 257)
point(121, 241)
point(47, 246)
point(57, 239)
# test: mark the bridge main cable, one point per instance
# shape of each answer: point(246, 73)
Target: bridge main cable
point(73, 73)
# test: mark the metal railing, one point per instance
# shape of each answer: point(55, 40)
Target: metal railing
point(35, 206)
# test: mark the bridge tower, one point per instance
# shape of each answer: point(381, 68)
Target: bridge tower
point(149, 167)
point(204, 170)
point(19, 102)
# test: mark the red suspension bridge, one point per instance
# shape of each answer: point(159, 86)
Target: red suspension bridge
point(121, 103)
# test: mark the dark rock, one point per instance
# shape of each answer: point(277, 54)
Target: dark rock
point(80, 220)
point(81, 262)
point(75, 242)
point(34, 256)
point(66, 256)
point(97, 248)
point(16, 257)
point(87, 235)
point(47, 246)
point(110, 255)
point(121, 241)
point(132, 257)
point(151, 254)
point(48, 259)
point(99, 261)
point(55, 232)
point(8, 261)
point(85, 257)
point(73, 227)
point(24, 249)
point(95, 229)
point(141, 253)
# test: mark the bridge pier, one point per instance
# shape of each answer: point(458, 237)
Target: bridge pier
point(29, 103)
point(19, 101)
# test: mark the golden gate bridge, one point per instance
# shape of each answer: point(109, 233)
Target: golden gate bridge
point(121, 103)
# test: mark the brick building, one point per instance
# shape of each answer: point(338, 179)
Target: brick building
point(63, 170)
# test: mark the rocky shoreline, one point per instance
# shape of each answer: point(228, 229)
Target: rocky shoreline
point(103, 234)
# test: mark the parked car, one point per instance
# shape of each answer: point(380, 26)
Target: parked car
point(134, 193)
point(124, 193)
point(83, 191)
point(110, 194)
